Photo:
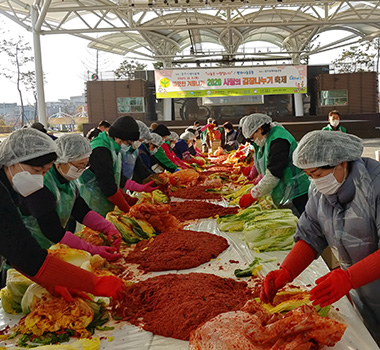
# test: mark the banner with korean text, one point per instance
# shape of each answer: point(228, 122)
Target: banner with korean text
point(242, 81)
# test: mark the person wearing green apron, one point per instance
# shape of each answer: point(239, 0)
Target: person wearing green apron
point(274, 147)
point(334, 122)
point(100, 184)
point(47, 212)
point(25, 157)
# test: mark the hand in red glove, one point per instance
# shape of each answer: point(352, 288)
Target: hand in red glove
point(111, 286)
point(252, 174)
point(295, 262)
point(62, 278)
point(331, 287)
point(246, 200)
point(119, 200)
point(246, 171)
point(257, 180)
point(273, 281)
point(130, 200)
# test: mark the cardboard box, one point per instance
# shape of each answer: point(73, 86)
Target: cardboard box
point(330, 259)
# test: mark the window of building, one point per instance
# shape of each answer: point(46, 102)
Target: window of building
point(130, 105)
point(333, 97)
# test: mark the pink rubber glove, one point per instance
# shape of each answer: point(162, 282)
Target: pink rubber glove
point(331, 287)
point(257, 180)
point(96, 222)
point(77, 243)
point(134, 186)
point(253, 174)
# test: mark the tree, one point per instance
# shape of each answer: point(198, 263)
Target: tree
point(356, 59)
point(20, 56)
point(127, 69)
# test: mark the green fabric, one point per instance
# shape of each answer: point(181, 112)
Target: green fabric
point(294, 181)
point(89, 186)
point(65, 196)
point(164, 160)
point(328, 127)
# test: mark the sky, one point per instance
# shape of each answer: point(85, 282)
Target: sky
point(67, 63)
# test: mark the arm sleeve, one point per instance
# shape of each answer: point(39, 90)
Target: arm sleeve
point(308, 228)
point(278, 157)
point(140, 172)
point(102, 166)
point(42, 206)
point(16, 242)
point(265, 185)
point(164, 161)
point(80, 209)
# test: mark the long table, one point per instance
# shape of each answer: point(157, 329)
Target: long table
point(129, 337)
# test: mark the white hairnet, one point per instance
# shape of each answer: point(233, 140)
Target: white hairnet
point(252, 122)
point(320, 148)
point(155, 139)
point(173, 136)
point(187, 135)
point(25, 144)
point(144, 130)
point(72, 147)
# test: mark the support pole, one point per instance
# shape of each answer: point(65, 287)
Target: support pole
point(298, 102)
point(41, 105)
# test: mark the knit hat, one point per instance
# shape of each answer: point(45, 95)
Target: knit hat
point(125, 128)
point(162, 130)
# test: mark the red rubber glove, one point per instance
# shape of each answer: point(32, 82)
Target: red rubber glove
point(119, 200)
point(253, 173)
point(331, 287)
point(130, 200)
point(257, 180)
point(338, 283)
point(295, 262)
point(246, 170)
point(273, 281)
point(246, 200)
point(62, 278)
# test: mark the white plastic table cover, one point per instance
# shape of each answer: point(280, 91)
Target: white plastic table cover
point(129, 337)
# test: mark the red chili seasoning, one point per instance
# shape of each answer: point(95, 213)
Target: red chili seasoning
point(175, 304)
point(177, 250)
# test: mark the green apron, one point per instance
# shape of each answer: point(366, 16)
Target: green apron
point(294, 181)
point(65, 196)
point(89, 187)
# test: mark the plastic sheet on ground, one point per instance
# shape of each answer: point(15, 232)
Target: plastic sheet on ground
point(129, 337)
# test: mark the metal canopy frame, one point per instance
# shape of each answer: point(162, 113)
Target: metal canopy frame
point(180, 31)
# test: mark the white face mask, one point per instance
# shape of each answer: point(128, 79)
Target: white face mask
point(327, 184)
point(26, 183)
point(124, 147)
point(334, 123)
point(154, 151)
point(73, 173)
point(261, 142)
point(136, 144)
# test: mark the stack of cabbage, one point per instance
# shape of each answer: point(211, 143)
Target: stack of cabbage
point(264, 230)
